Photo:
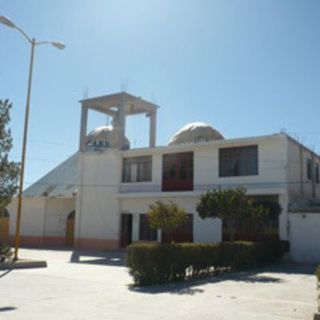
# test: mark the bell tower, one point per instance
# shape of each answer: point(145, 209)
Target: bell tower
point(118, 106)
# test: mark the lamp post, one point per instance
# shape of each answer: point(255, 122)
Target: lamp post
point(59, 45)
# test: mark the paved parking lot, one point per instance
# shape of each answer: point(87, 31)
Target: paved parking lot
point(96, 285)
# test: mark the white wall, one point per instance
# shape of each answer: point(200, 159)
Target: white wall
point(55, 216)
point(41, 216)
point(298, 182)
point(272, 158)
point(305, 237)
point(32, 216)
point(271, 164)
point(97, 207)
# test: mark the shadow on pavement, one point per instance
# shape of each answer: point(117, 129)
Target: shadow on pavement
point(260, 275)
point(5, 309)
point(3, 274)
point(109, 258)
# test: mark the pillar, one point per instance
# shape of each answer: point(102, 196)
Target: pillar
point(152, 129)
point(135, 227)
point(83, 128)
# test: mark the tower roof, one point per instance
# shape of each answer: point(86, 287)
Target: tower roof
point(106, 104)
point(194, 133)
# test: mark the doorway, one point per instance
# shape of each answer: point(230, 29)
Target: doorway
point(126, 230)
point(70, 228)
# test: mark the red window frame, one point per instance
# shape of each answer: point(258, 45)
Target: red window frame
point(177, 171)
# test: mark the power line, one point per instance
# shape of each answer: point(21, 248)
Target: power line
point(38, 159)
point(55, 143)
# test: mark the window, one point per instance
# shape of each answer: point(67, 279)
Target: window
point(317, 173)
point(145, 232)
point(183, 233)
point(238, 161)
point(137, 169)
point(309, 169)
point(101, 144)
point(264, 228)
point(177, 171)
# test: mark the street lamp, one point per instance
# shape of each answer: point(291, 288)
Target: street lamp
point(59, 45)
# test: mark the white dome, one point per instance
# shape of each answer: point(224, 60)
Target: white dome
point(194, 133)
point(101, 137)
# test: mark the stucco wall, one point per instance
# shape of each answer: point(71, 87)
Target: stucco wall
point(97, 207)
point(55, 216)
point(32, 216)
point(43, 220)
point(305, 237)
point(298, 183)
point(271, 164)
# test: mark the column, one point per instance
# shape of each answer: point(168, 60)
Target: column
point(135, 227)
point(83, 128)
point(152, 129)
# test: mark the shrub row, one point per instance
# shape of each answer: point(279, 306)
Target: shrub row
point(317, 272)
point(152, 263)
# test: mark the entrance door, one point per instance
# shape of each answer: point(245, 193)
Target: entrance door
point(70, 229)
point(126, 230)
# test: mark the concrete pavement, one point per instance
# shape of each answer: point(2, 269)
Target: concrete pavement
point(96, 285)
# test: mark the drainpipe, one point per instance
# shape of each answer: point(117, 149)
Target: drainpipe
point(313, 180)
point(301, 169)
point(44, 219)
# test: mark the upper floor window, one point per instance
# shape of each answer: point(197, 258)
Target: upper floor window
point(137, 169)
point(309, 169)
point(317, 173)
point(177, 171)
point(313, 169)
point(101, 144)
point(238, 161)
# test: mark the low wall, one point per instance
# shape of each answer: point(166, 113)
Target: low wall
point(305, 237)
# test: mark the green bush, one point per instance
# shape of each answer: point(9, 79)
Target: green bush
point(153, 263)
point(5, 252)
point(318, 273)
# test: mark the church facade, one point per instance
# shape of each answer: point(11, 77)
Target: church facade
point(99, 197)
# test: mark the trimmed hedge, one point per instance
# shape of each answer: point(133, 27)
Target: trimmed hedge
point(317, 272)
point(153, 263)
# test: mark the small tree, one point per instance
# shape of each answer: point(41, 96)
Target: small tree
point(230, 204)
point(166, 216)
point(9, 170)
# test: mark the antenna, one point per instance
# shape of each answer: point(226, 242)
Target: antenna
point(124, 85)
point(85, 92)
point(107, 120)
point(153, 98)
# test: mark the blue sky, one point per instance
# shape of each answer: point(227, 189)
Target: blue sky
point(246, 67)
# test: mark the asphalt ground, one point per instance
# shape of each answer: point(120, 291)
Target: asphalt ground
point(96, 285)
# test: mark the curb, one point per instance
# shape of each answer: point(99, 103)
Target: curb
point(23, 264)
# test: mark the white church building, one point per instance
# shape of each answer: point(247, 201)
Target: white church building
point(99, 197)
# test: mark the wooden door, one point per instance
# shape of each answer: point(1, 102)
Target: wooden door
point(4, 229)
point(126, 230)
